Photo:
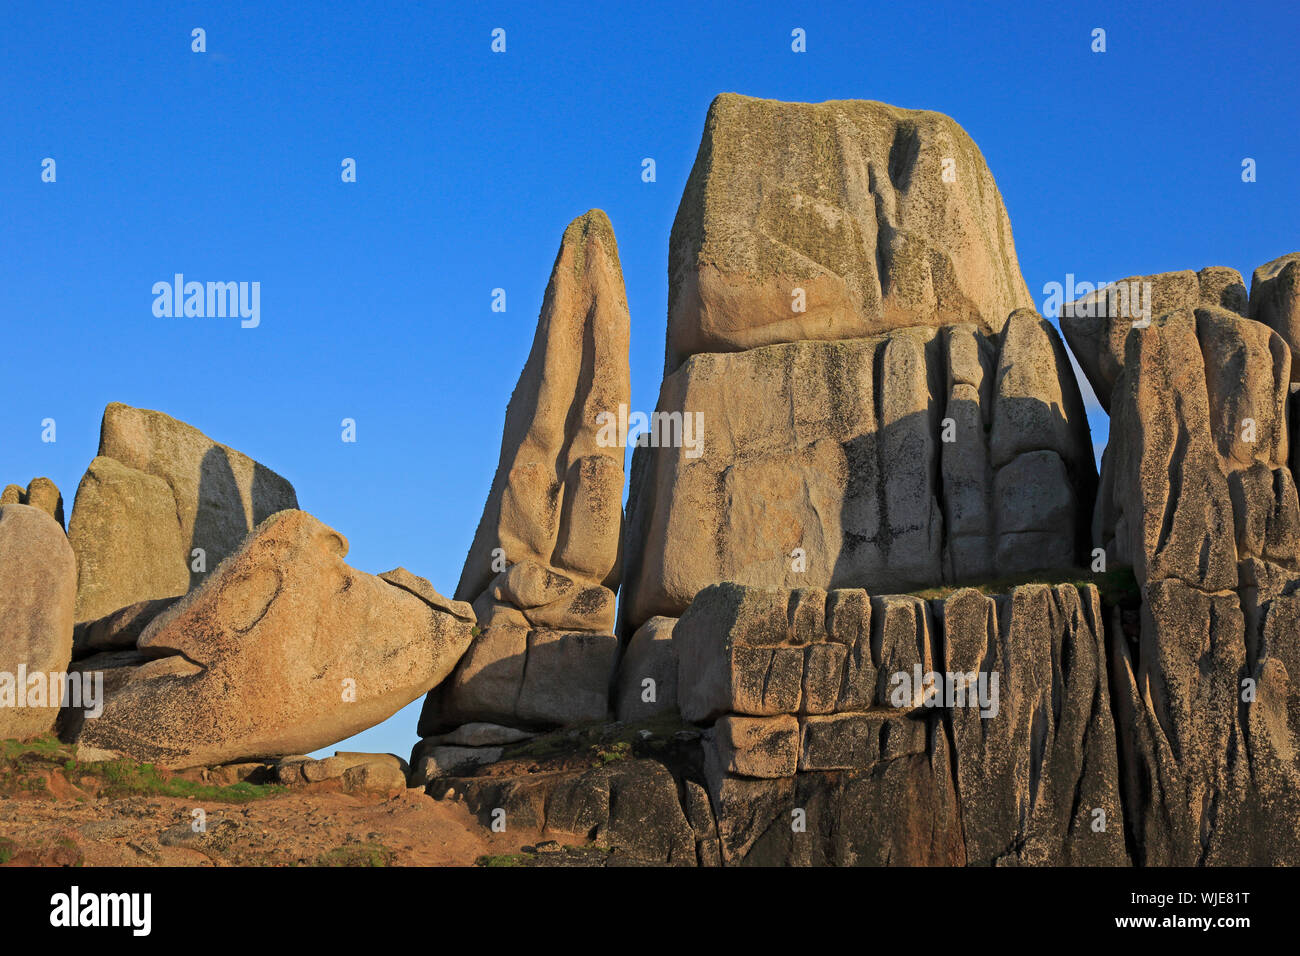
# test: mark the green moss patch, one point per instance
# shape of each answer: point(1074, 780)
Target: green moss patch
point(25, 765)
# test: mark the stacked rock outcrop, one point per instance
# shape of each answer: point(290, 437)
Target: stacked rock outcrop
point(40, 493)
point(858, 401)
point(283, 650)
point(854, 729)
point(192, 617)
point(903, 461)
point(841, 728)
point(863, 393)
point(1198, 494)
point(545, 561)
point(160, 507)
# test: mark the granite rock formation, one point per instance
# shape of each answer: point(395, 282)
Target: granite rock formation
point(283, 650)
point(883, 218)
point(1275, 301)
point(38, 583)
point(158, 492)
point(40, 493)
point(1197, 493)
point(545, 561)
point(1097, 325)
point(920, 457)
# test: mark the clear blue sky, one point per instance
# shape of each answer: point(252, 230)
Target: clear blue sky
point(376, 295)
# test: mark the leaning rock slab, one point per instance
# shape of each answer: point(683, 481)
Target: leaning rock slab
point(127, 540)
point(285, 649)
point(478, 735)
point(37, 595)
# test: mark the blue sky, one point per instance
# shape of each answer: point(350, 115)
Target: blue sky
point(376, 294)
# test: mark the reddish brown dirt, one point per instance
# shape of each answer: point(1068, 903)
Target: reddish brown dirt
point(313, 825)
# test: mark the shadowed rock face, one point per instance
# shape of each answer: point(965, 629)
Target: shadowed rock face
point(283, 650)
point(158, 490)
point(863, 393)
point(1197, 494)
point(545, 561)
point(38, 584)
point(915, 458)
point(630, 805)
point(802, 690)
point(1212, 779)
point(885, 218)
point(127, 538)
point(1039, 781)
point(1197, 461)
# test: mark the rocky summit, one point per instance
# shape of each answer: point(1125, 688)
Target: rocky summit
point(870, 601)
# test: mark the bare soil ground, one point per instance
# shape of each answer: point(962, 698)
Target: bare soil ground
point(54, 811)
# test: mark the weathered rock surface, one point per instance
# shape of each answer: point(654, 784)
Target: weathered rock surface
point(631, 808)
point(884, 218)
point(40, 493)
point(1214, 777)
point(1097, 325)
point(430, 763)
point(158, 490)
point(358, 772)
point(760, 747)
point(118, 631)
point(1275, 301)
point(985, 721)
point(650, 657)
point(1198, 495)
point(37, 597)
point(284, 649)
point(1197, 462)
point(127, 540)
point(909, 460)
point(897, 807)
point(556, 498)
point(1038, 779)
point(769, 651)
point(546, 557)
